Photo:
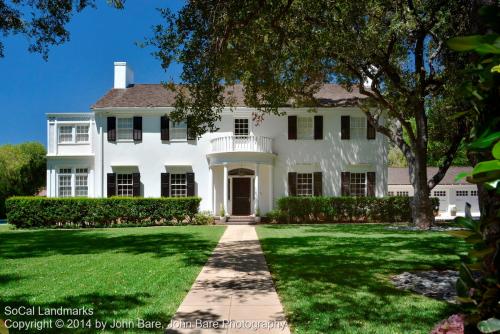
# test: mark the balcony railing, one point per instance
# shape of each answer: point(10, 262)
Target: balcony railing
point(242, 144)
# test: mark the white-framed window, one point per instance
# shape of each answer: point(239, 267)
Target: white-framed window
point(178, 131)
point(81, 182)
point(73, 182)
point(439, 193)
point(82, 133)
point(473, 192)
point(358, 128)
point(305, 184)
point(125, 128)
point(66, 134)
point(241, 128)
point(461, 193)
point(305, 127)
point(178, 185)
point(390, 193)
point(358, 184)
point(402, 193)
point(65, 182)
point(124, 185)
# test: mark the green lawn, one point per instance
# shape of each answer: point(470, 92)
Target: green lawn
point(122, 273)
point(335, 278)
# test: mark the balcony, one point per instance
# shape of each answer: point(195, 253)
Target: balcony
point(254, 144)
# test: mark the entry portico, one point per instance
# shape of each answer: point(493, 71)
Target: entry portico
point(241, 174)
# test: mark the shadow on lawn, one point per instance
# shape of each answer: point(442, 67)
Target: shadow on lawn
point(27, 244)
point(335, 279)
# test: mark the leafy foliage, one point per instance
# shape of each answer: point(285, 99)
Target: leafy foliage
point(22, 170)
point(26, 212)
point(43, 22)
point(343, 209)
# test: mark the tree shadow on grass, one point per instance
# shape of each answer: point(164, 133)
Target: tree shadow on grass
point(339, 282)
point(27, 244)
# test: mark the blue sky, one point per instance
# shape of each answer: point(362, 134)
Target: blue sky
point(78, 72)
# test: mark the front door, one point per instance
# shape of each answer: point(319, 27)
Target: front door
point(241, 196)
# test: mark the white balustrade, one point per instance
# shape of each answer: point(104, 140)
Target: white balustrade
point(242, 144)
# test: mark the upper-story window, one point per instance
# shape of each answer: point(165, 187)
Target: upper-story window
point(70, 134)
point(241, 127)
point(125, 128)
point(358, 127)
point(178, 131)
point(305, 127)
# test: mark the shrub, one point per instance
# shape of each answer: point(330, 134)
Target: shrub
point(204, 218)
point(25, 212)
point(343, 209)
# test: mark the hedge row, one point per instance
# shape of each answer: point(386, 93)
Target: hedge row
point(25, 212)
point(344, 209)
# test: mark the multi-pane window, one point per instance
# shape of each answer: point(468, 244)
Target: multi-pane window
point(390, 193)
point(305, 127)
point(241, 127)
point(66, 134)
point(125, 128)
point(402, 193)
point(178, 185)
point(304, 184)
point(462, 193)
point(82, 133)
point(358, 127)
point(124, 185)
point(81, 182)
point(65, 182)
point(473, 192)
point(178, 130)
point(439, 193)
point(358, 184)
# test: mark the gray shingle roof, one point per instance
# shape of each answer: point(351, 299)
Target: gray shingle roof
point(400, 175)
point(156, 95)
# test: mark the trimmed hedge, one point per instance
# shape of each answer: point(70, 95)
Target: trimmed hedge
point(344, 209)
point(26, 212)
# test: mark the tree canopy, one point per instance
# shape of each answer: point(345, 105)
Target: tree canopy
point(22, 170)
point(284, 50)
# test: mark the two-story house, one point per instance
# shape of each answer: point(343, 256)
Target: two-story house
point(128, 146)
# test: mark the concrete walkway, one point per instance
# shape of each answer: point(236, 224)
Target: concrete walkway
point(234, 292)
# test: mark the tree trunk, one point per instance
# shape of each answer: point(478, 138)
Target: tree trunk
point(421, 206)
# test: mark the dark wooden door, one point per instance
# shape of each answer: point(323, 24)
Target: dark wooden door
point(241, 196)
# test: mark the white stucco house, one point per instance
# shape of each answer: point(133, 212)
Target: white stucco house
point(452, 194)
point(128, 146)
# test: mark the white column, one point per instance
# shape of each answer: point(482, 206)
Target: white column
point(271, 186)
point(224, 200)
point(211, 187)
point(256, 189)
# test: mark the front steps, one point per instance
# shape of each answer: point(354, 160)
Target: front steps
point(240, 220)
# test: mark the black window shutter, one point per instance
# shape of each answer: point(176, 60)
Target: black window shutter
point(190, 184)
point(165, 184)
point(292, 184)
point(370, 184)
point(137, 134)
point(136, 184)
point(111, 184)
point(165, 130)
point(370, 130)
point(318, 127)
point(345, 127)
point(190, 133)
point(318, 183)
point(292, 127)
point(111, 128)
point(345, 187)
